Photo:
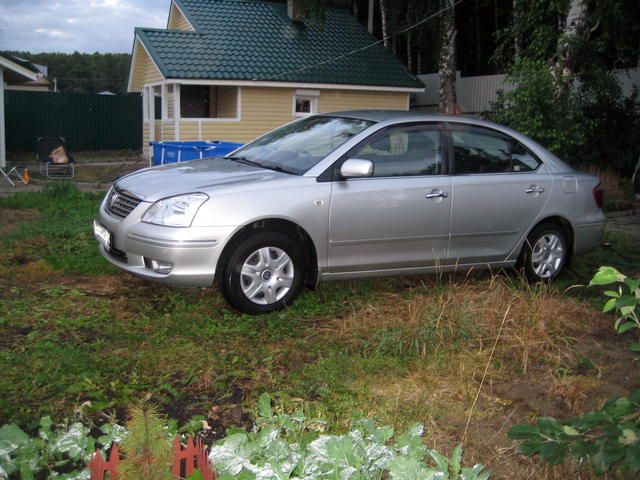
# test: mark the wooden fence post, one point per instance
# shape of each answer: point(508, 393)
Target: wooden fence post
point(98, 466)
point(195, 456)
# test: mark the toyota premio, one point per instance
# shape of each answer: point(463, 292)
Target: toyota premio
point(351, 195)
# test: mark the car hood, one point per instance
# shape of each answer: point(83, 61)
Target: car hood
point(152, 184)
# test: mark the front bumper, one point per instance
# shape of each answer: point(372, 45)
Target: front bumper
point(193, 252)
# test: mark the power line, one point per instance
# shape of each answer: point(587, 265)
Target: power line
point(357, 50)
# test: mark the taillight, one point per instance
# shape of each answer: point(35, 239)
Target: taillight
point(598, 195)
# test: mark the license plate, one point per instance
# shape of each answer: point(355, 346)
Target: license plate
point(102, 234)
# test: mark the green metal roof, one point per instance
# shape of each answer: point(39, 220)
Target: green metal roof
point(255, 40)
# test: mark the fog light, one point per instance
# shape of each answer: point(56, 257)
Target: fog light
point(161, 267)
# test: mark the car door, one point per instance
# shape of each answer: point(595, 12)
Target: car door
point(399, 217)
point(498, 189)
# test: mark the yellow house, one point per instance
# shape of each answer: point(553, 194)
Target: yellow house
point(235, 69)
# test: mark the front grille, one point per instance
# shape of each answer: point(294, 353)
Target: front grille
point(121, 203)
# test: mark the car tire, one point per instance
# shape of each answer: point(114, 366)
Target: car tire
point(544, 254)
point(263, 273)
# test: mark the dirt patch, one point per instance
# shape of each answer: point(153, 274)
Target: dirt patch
point(11, 218)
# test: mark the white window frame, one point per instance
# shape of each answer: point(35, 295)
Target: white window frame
point(306, 95)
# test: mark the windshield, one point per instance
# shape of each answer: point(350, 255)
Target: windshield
point(298, 146)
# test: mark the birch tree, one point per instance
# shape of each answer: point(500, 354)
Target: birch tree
point(447, 63)
point(574, 27)
point(384, 20)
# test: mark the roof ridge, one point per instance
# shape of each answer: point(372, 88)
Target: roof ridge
point(163, 30)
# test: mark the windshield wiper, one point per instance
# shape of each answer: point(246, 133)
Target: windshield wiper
point(246, 161)
point(275, 168)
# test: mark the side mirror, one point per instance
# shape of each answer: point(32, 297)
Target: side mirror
point(355, 167)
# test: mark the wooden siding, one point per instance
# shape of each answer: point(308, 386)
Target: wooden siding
point(170, 102)
point(144, 70)
point(227, 102)
point(189, 130)
point(168, 130)
point(337, 100)
point(177, 20)
point(145, 138)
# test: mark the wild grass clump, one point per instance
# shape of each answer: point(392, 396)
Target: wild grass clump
point(462, 316)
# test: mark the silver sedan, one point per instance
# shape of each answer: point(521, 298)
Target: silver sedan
point(351, 195)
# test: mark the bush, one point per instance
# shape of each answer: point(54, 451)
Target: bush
point(589, 123)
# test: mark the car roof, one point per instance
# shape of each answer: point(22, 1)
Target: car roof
point(408, 116)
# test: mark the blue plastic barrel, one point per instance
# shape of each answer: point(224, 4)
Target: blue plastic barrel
point(172, 152)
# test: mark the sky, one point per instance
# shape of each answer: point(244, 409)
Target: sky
point(77, 25)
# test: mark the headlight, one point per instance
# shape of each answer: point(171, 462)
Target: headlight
point(175, 211)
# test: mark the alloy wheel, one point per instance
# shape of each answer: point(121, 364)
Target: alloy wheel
point(547, 255)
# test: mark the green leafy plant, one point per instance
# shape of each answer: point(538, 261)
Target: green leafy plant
point(281, 446)
point(367, 452)
point(606, 437)
point(624, 301)
point(56, 448)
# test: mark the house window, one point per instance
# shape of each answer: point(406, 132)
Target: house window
point(305, 103)
point(207, 101)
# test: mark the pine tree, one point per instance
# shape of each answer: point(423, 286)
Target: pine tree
point(147, 449)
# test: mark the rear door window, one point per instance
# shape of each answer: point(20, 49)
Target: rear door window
point(479, 150)
point(521, 159)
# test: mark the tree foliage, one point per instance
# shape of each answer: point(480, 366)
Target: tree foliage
point(566, 95)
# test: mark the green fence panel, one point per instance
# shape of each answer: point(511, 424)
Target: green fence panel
point(86, 122)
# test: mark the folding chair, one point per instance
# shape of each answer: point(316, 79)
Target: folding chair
point(56, 160)
point(6, 175)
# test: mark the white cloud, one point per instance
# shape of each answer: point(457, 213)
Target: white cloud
point(50, 32)
point(70, 25)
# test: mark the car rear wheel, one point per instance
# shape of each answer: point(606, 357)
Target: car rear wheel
point(264, 273)
point(544, 253)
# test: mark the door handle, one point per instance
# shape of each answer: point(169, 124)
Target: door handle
point(534, 189)
point(437, 195)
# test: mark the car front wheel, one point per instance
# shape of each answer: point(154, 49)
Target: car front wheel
point(264, 273)
point(544, 253)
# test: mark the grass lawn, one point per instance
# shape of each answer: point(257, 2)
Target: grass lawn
point(77, 333)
